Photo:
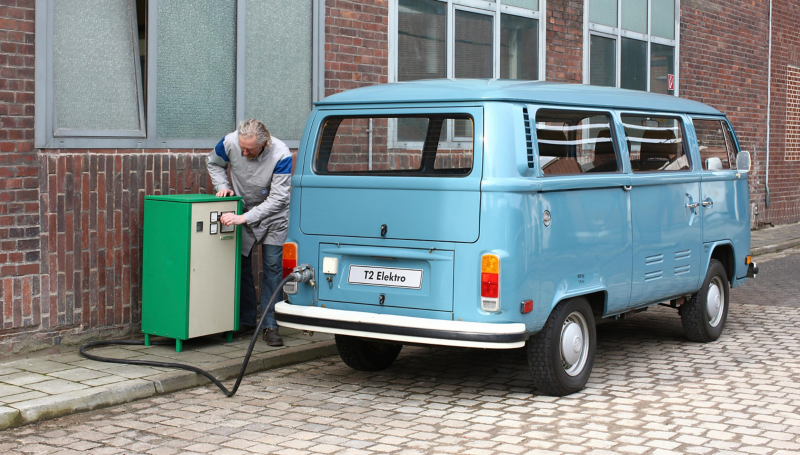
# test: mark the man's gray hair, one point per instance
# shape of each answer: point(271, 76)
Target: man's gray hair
point(255, 128)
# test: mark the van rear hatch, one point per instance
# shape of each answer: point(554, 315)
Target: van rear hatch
point(376, 174)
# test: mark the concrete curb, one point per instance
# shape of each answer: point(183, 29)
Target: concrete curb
point(124, 392)
point(766, 249)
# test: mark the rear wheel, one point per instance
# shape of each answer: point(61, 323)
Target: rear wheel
point(366, 355)
point(703, 316)
point(561, 355)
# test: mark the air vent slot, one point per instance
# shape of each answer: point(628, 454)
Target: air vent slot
point(528, 137)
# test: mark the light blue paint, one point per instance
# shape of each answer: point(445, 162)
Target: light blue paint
point(630, 248)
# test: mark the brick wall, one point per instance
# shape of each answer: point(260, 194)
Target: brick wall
point(564, 56)
point(356, 44)
point(19, 172)
point(784, 172)
point(727, 69)
point(793, 114)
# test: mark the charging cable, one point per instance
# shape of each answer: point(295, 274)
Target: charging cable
point(301, 274)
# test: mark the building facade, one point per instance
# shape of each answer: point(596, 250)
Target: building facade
point(102, 103)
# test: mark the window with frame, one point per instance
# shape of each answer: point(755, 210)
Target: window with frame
point(575, 142)
point(632, 44)
point(369, 146)
point(435, 39)
point(655, 143)
point(139, 74)
point(714, 139)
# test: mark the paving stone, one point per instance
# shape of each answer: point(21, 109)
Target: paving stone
point(78, 374)
point(41, 366)
point(23, 378)
point(56, 386)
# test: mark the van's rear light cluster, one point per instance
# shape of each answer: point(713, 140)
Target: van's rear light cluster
point(289, 263)
point(490, 282)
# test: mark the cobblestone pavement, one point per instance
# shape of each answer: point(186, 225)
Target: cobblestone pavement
point(651, 392)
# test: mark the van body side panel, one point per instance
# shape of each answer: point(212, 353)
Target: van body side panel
point(588, 245)
point(728, 219)
point(667, 236)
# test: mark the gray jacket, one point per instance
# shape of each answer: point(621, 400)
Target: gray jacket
point(265, 184)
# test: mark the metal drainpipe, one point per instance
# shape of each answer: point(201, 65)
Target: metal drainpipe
point(769, 98)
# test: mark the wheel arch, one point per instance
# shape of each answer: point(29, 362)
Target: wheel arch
point(723, 252)
point(598, 300)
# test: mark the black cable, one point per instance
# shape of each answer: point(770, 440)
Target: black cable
point(181, 366)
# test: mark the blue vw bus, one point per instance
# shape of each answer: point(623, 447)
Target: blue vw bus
point(507, 214)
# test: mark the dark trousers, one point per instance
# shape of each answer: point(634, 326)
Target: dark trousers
point(272, 264)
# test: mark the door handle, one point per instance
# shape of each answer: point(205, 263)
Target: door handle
point(626, 187)
point(691, 206)
point(708, 203)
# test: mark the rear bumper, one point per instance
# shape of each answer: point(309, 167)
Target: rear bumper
point(402, 329)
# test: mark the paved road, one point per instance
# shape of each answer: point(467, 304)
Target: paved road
point(651, 392)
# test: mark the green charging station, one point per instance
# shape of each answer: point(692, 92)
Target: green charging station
point(190, 267)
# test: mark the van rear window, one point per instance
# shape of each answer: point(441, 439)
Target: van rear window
point(438, 145)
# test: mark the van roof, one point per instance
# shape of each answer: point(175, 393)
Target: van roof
point(539, 92)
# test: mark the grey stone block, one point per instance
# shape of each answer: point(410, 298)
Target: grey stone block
point(9, 417)
point(83, 400)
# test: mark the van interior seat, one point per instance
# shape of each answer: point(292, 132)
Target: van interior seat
point(605, 159)
point(562, 163)
point(657, 155)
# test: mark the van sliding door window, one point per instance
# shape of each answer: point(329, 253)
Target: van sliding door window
point(575, 142)
point(716, 144)
point(396, 146)
point(655, 143)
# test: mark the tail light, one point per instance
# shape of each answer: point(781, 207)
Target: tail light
point(289, 258)
point(490, 282)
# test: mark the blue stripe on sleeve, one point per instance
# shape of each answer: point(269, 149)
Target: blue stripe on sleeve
point(220, 150)
point(284, 166)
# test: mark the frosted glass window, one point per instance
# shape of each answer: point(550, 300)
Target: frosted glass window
point(278, 65)
point(529, 4)
point(662, 19)
point(473, 48)
point(196, 69)
point(662, 66)
point(421, 40)
point(634, 15)
point(633, 56)
point(603, 12)
point(519, 45)
point(94, 67)
point(602, 61)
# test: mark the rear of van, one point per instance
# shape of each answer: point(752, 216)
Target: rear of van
point(386, 209)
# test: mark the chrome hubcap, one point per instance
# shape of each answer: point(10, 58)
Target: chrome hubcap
point(574, 344)
point(715, 299)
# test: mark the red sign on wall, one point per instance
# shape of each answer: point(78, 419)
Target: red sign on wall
point(670, 82)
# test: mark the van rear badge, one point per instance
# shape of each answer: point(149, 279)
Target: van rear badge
point(382, 299)
point(546, 218)
point(384, 228)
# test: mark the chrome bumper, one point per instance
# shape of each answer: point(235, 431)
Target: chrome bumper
point(403, 329)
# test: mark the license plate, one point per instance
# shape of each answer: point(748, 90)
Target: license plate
point(385, 276)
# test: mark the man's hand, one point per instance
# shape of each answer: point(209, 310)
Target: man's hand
point(231, 218)
point(223, 193)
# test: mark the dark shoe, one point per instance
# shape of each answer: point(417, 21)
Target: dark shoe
point(272, 337)
point(244, 331)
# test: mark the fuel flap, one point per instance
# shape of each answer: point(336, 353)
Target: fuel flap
point(383, 276)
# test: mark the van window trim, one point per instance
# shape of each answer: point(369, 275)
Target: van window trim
point(533, 110)
point(681, 116)
point(736, 148)
point(392, 113)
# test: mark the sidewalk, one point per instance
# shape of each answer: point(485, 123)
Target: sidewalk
point(772, 239)
point(45, 387)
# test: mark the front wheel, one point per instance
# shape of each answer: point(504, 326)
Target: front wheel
point(366, 355)
point(561, 355)
point(703, 315)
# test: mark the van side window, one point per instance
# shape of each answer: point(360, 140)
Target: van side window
point(574, 142)
point(716, 144)
point(655, 143)
point(396, 146)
